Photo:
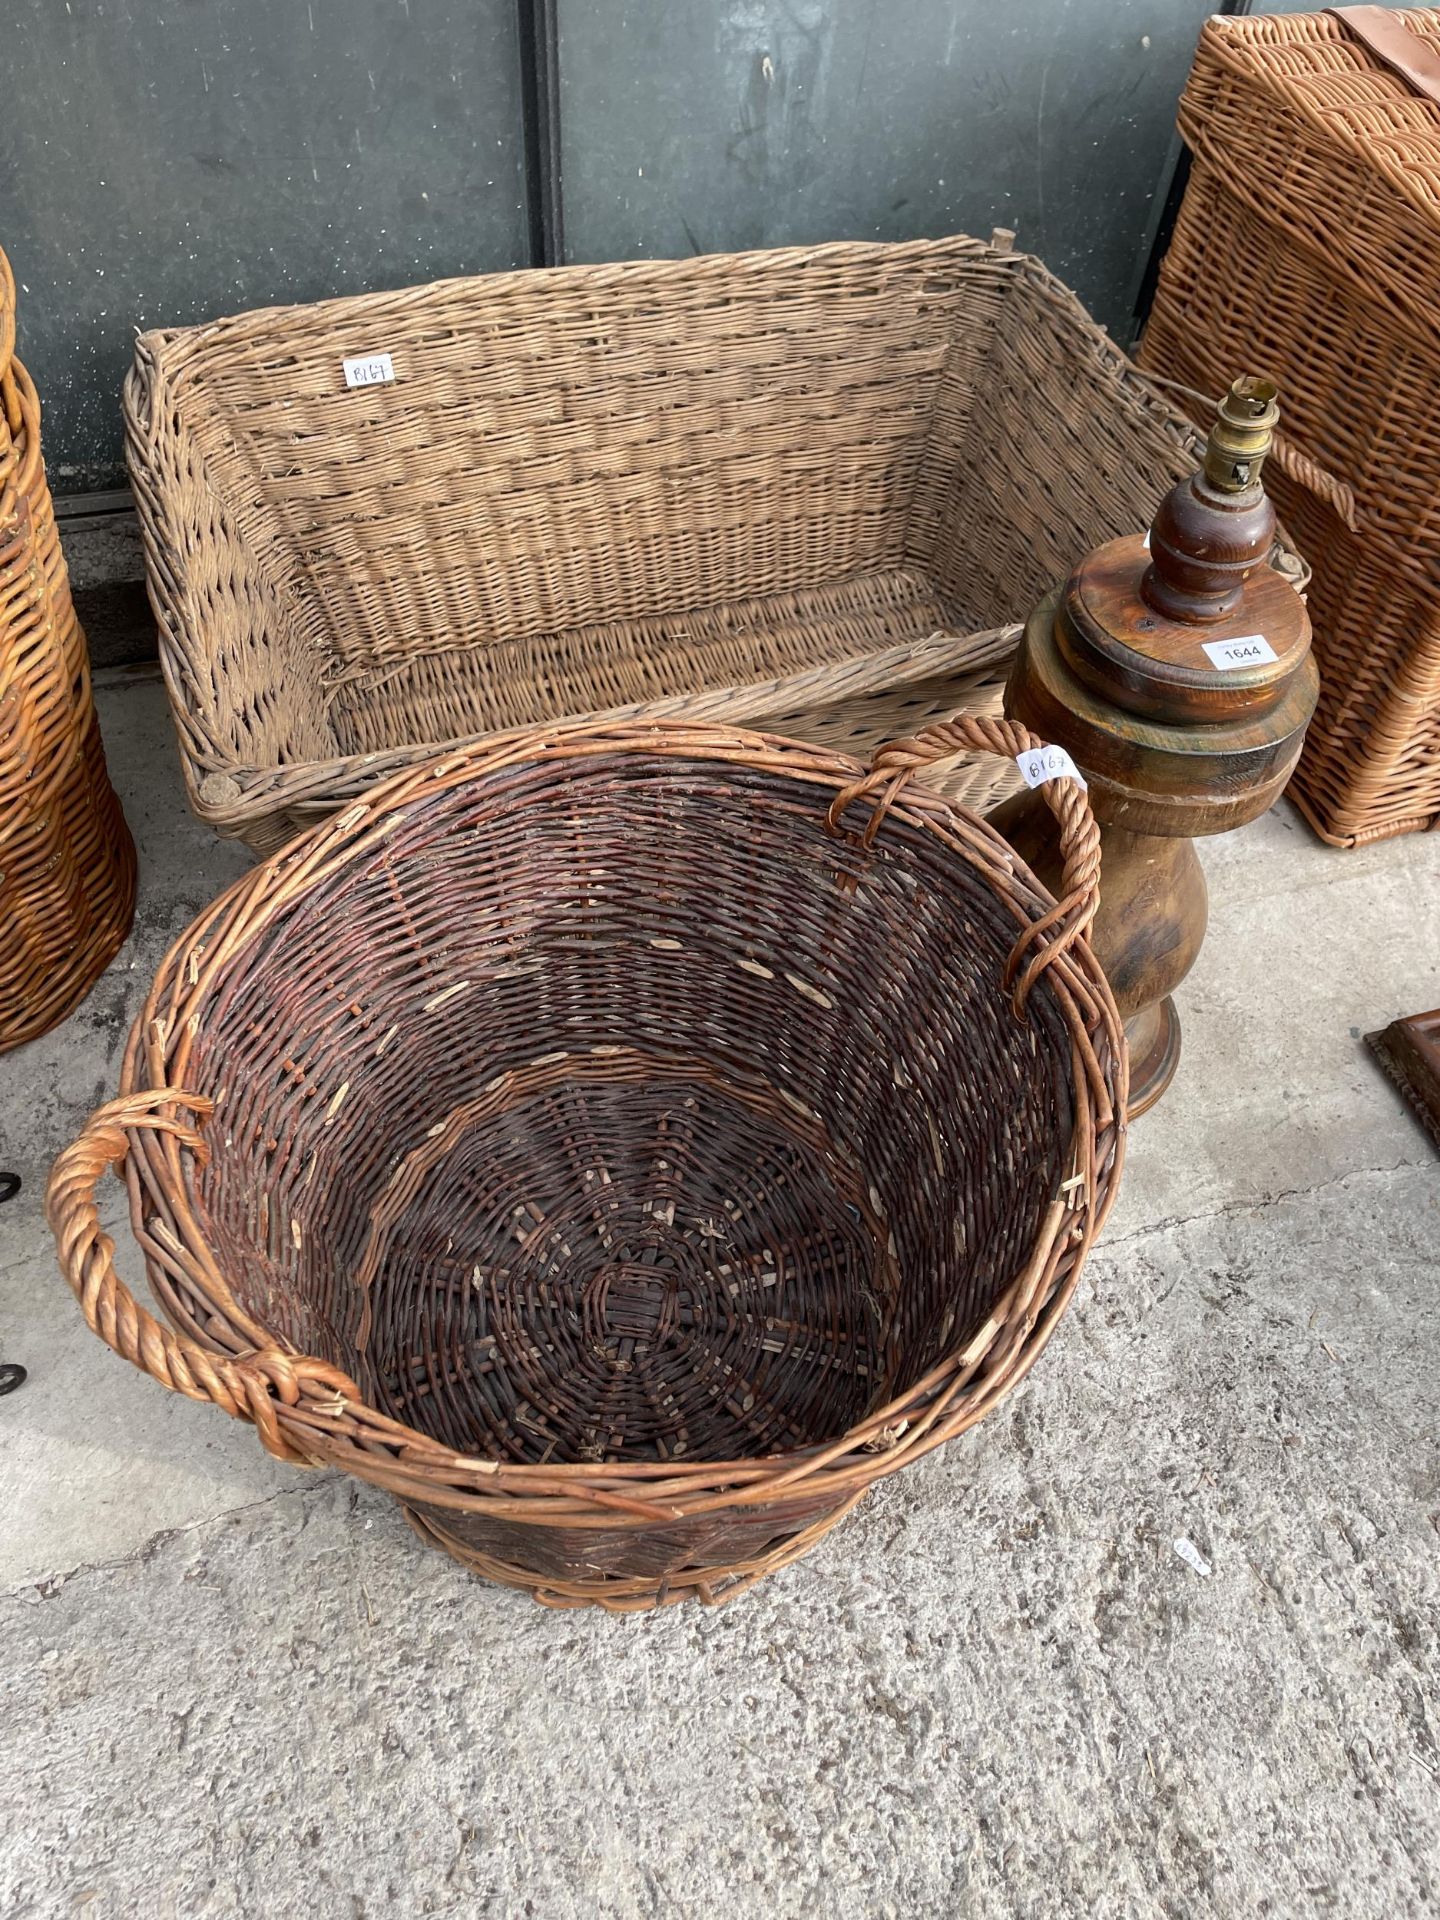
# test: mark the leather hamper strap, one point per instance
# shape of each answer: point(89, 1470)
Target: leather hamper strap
point(1383, 31)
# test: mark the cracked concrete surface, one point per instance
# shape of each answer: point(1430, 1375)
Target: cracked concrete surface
point(234, 1689)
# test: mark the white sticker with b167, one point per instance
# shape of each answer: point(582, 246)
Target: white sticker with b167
point(368, 369)
point(1039, 764)
point(1250, 650)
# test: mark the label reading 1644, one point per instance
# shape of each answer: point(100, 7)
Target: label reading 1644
point(1250, 650)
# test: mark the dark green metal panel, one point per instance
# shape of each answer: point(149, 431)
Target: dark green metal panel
point(165, 162)
point(701, 125)
point(171, 161)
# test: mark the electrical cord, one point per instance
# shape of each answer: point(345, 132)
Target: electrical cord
point(11, 1376)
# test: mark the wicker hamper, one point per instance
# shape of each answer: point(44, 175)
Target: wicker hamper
point(67, 863)
point(1309, 245)
point(623, 1144)
point(800, 487)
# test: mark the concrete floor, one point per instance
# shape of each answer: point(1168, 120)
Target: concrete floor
point(234, 1689)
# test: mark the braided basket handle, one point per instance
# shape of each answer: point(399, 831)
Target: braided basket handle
point(893, 766)
point(247, 1387)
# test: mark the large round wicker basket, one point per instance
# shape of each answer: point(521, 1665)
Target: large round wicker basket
point(625, 1145)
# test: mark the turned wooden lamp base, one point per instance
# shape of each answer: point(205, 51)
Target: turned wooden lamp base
point(1176, 671)
point(1154, 1040)
point(1147, 933)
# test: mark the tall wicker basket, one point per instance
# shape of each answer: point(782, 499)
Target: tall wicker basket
point(801, 489)
point(67, 863)
point(1308, 247)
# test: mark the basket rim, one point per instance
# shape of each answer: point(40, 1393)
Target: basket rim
point(1240, 43)
point(232, 795)
point(320, 1424)
point(157, 345)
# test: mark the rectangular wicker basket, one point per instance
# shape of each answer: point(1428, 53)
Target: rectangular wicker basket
point(802, 489)
point(1308, 246)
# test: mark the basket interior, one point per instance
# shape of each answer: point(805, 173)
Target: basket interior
point(612, 1109)
point(595, 487)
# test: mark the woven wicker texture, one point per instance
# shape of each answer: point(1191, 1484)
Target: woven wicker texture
point(67, 865)
point(614, 1156)
point(1309, 246)
point(801, 488)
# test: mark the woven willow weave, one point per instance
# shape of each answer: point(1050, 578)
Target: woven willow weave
point(1308, 246)
point(67, 864)
point(803, 488)
point(610, 1154)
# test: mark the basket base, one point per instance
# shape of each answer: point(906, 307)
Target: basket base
point(727, 1298)
point(618, 1593)
point(1154, 1038)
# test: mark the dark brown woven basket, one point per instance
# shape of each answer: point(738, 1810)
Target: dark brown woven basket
point(613, 1156)
point(67, 863)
